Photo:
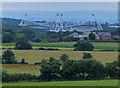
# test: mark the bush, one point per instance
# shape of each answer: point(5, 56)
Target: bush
point(23, 45)
point(23, 61)
point(87, 56)
point(64, 57)
point(83, 45)
point(17, 77)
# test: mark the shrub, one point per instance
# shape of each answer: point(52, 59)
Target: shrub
point(87, 56)
point(64, 57)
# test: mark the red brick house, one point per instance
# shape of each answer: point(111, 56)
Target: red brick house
point(104, 35)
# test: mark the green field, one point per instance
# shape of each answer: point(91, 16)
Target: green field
point(67, 83)
point(68, 45)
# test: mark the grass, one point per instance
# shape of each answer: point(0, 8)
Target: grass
point(67, 83)
point(33, 56)
point(67, 45)
point(22, 68)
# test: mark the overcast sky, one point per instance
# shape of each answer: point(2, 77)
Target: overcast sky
point(60, 6)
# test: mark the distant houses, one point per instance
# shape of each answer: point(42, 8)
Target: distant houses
point(102, 35)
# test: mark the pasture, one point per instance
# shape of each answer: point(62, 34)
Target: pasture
point(33, 56)
point(22, 68)
point(67, 45)
point(67, 83)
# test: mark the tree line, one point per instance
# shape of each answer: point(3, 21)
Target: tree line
point(64, 69)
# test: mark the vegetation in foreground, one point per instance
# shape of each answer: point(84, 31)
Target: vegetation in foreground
point(67, 83)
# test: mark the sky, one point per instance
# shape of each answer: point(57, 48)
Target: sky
point(60, 6)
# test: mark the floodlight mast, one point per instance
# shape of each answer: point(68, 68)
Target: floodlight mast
point(98, 24)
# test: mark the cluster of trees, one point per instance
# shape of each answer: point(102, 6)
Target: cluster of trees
point(8, 57)
point(84, 69)
point(66, 69)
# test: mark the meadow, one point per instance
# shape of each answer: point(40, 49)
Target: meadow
point(68, 45)
point(67, 83)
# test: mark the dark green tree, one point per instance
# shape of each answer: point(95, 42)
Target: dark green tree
point(90, 69)
point(87, 56)
point(8, 57)
point(64, 57)
point(69, 69)
point(111, 70)
point(23, 45)
point(37, 39)
point(19, 36)
point(92, 36)
point(7, 37)
point(50, 69)
point(83, 45)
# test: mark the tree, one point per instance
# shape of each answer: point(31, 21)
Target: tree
point(37, 39)
point(87, 56)
point(69, 69)
point(111, 70)
point(19, 36)
point(7, 37)
point(64, 57)
point(28, 33)
point(23, 45)
point(83, 45)
point(92, 36)
point(8, 57)
point(90, 69)
point(50, 69)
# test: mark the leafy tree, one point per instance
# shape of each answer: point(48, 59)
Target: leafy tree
point(83, 45)
point(28, 33)
point(111, 70)
point(19, 36)
point(8, 57)
point(64, 57)
point(69, 69)
point(7, 37)
point(92, 36)
point(37, 39)
point(87, 56)
point(50, 69)
point(90, 69)
point(23, 45)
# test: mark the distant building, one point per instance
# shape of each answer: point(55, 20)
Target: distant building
point(75, 35)
point(104, 35)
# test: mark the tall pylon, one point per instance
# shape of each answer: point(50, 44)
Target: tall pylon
point(98, 25)
point(24, 21)
point(59, 25)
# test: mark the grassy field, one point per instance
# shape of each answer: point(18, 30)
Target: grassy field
point(67, 45)
point(22, 68)
point(67, 83)
point(33, 56)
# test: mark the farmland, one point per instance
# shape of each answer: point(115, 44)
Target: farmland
point(67, 45)
point(33, 56)
point(67, 83)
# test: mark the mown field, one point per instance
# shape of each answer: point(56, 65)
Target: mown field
point(22, 68)
point(68, 45)
point(33, 56)
point(67, 83)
